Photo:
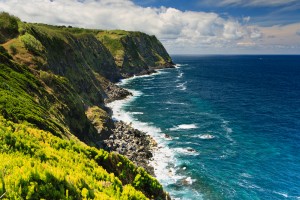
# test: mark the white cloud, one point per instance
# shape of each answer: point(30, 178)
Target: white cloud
point(178, 30)
point(281, 35)
point(246, 44)
point(275, 39)
point(255, 32)
point(232, 30)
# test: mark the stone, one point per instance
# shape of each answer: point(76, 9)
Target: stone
point(134, 144)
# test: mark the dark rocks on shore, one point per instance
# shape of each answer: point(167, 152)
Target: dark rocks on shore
point(125, 140)
point(132, 143)
point(115, 92)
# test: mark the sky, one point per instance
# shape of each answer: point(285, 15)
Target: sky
point(183, 26)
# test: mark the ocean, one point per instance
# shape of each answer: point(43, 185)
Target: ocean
point(227, 127)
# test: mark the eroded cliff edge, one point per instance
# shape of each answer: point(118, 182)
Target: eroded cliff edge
point(57, 79)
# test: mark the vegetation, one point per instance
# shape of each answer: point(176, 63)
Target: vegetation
point(52, 113)
point(134, 51)
point(99, 118)
point(32, 44)
point(8, 26)
point(13, 49)
point(35, 164)
point(112, 41)
point(21, 94)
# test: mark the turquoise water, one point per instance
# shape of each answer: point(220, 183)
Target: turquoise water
point(228, 127)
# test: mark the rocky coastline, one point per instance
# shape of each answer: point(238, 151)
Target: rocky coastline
point(132, 143)
point(136, 145)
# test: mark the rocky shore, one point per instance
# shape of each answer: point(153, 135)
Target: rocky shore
point(115, 92)
point(125, 140)
point(132, 143)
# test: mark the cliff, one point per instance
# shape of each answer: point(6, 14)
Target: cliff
point(54, 82)
point(135, 52)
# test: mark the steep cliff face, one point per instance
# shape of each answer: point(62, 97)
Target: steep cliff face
point(76, 69)
point(135, 52)
point(79, 66)
point(78, 57)
point(43, 99)
point(54, 82)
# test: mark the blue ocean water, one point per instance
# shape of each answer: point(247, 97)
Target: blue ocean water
point(228, 127)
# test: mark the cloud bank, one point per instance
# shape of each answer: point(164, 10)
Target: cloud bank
point(178, 30)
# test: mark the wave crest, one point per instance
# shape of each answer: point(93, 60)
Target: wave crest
point(184, 127)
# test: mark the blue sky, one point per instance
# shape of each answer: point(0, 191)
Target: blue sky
point(184, 27)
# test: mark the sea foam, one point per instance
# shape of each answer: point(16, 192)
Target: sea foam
point(186, 151)
point(127, 80)
point(180, 75)
point(180, 65)
point(184, 127)
point(163, 157)
point(204, 136)
point(137, 113)
point(164, 161)
point(182, 86)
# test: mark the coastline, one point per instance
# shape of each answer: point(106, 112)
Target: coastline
point(164, 163)
point(136, 143)
point(157, 158)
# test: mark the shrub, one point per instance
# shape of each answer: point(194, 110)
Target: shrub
point(8, 26)
point(13, 49)
point(32, 44)
point(69, 171)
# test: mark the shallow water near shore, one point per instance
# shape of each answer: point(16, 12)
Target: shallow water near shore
point(227, 127)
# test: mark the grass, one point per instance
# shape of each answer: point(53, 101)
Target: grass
point(112, 40)
point(133, 51)
point(98, 117)
point(21, 95)
point(32, 44)
point(51, 100)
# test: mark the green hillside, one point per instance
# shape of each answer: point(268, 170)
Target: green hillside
point(134, 51)
point(53, 85)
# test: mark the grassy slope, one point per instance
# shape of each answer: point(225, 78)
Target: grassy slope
point(23, 97)
point(112, 41)
point(72, 77)
point(43, 119)
point(134, 51)
point(36, 164)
